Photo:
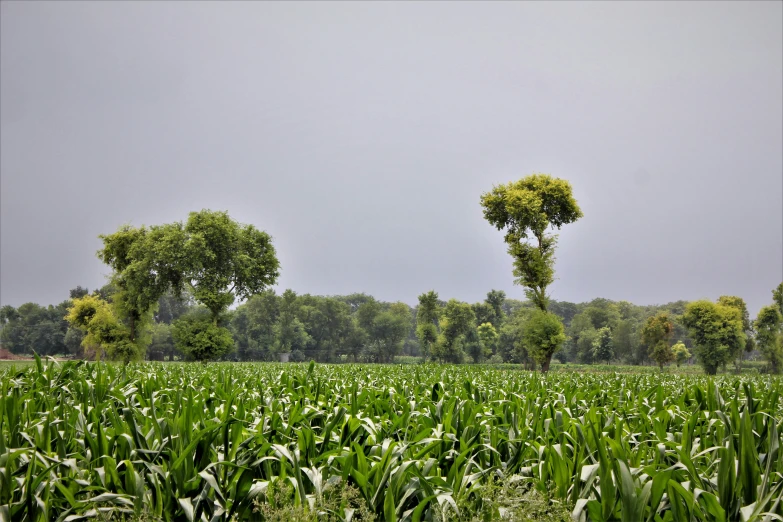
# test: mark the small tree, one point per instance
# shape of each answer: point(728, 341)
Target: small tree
point(457, 319)
point(717, 333)
point(543, 335)
point(655, 335)
point(103, 330)
point(489, 338)
point(769, 336)
point(526, 209)
point(201, 339)
point(681, 353)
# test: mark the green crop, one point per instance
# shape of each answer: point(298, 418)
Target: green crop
point(187, 442)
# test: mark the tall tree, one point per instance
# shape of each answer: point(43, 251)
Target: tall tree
point(717, 333)
point(655, 335)
point(777, 297)
point(526, 209)
point(426, 322)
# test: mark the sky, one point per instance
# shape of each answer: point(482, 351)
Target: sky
point(361, 136)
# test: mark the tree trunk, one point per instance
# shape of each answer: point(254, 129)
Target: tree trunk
point(546, 363)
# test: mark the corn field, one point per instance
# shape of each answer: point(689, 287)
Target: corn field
point(189, 442)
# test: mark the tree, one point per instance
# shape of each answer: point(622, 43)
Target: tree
point(526, 209)
point(426, 322)
point(225, 259)
point(655, 335)
point(78, 292)
point(717, 333)
point(747, 327)
point(455, 323)
point(489, 338)
point(681, 353)
point(146, 262)
point(543, 335)
point(103, 329)
point(495, 299)
point(769, 336)
point(388, 330)
point(603, 345)
point(201, 338)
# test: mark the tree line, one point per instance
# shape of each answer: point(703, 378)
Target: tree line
point(173, 286)
point(360, 328)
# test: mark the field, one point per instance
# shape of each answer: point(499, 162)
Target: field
point(248, 441)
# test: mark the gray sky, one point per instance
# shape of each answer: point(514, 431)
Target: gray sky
point(361, 135)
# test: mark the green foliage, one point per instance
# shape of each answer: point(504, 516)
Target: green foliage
point(456, 323)
point(655, 335)
point(489, 338)
point(681, 353)
point(201, 339)
point(225, 258)
point(525, 209)
point(237, 442)
point(603, 345)
point(103, 329)
point(769, 336)
point(717, 332)
point(777, 297)
point(543, 335)
point(426, 322)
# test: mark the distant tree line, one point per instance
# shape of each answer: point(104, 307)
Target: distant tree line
point(360, 328)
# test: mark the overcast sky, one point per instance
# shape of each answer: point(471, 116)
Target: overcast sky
point(361, 135)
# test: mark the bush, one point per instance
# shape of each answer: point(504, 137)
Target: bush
point(201, 339)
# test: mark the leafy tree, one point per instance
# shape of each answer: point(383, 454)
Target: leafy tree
point(103, 329)
point(717, 333)
point(603, 345)
point(681, 353)
point(225, 259)
point(489, 338)
point(582, 334)
point(769, 336)
point(201, 338)
point(387, 331)
point(78, 292)
point(426, 319)
point(289, 332)
point(747, 326)
point(543, 335)
point(456, 322)
point(484, 313)
point(655, 335)
point(73, 342)
point(495, 299)
point(526, 209)
point(146, 262)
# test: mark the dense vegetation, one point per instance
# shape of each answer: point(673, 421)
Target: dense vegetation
point(423, 442)
point(358, 327)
